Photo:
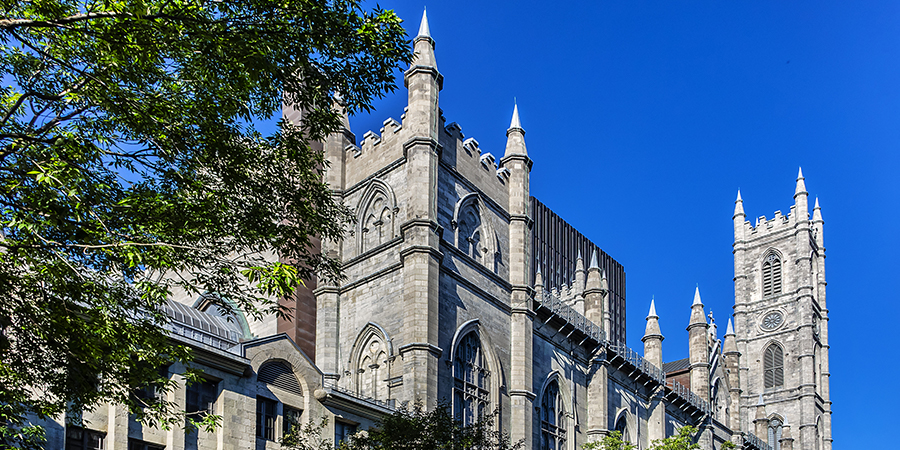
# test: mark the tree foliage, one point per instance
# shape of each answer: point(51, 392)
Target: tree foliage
point(612, 441)
point(683, 440)
point(416, 428)
point(131, 167)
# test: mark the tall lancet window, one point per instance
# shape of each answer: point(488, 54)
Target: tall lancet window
point(553, 419)
point(775, 434)
point(471, 395)
point(773, 367)
point(771, 275)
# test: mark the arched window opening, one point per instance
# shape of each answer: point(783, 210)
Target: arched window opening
point(773, 367)
point(775, 434)
point(771, 275)
point(469, 238)
point(471, 395)
point(372, 369)
point(553, 419)
point(622, 428)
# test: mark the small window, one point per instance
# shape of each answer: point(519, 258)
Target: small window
point(78, 438)
point(135, 444)
point(342, 431)
point(773, 367)
point(266, 412)
point(291, 420)
point(201, 398)
point(771, 275)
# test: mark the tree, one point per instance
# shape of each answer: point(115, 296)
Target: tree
point(683, 440)
point(131, 165)
point(416, 428)
point(612, 441)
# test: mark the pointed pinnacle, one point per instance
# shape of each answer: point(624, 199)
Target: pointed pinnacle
point(424, 31)
point(579, 255)
point(514, 123)
point(697, 297)
point(594, 264)
point(801, 185)
point(738, 205)
point(652, 308)
point(730, 329)
point(760, 402)
point(817, 204)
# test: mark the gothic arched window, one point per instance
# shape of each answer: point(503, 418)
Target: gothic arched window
point(775, 434)
point(773, 367)
point(771, 275)
point(369, 363)
point(471, 379)
point(622, 428)
point(553, 419)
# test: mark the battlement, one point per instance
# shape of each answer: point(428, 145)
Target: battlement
point(472, 149)
point(776, 224)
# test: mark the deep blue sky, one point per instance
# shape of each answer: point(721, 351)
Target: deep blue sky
point(644, 118)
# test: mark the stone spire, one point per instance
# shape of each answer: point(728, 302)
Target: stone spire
point(762, 424)
point(653, 337)
point(698, 316)
point(732, 363)
point(538, 283)
point(593, 292)
point(801, 185)
point(515, 136)
point(699, 348)
point(801, 207)
point(578, 288)
point(818, 224)
point(739, 206)
point(786, 441)
point(424, 31)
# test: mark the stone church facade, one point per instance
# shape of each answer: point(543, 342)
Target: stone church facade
point(462, 288)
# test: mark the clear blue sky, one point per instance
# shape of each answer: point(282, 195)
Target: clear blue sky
point(644, 119)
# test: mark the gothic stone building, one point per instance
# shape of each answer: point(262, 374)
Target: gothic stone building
point(463, 288)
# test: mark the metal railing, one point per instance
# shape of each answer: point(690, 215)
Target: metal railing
point(199, 335)
point(689, 396)
point(755, 441)
point(332, 384)
point(565, 312)
point(639, 362)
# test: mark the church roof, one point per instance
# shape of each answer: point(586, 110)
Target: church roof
point(677, 365)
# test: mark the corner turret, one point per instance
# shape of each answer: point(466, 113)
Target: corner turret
point(423, 81)
point(739, 217)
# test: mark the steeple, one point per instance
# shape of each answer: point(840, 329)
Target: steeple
point(699, 348)
point(424, 45)
point(515, 136)
point(697, 313)
point(739, 207)
point(424, 31)
point(538, 283)
point(578, 288)
point(653, 337)
point(801, 185)
point(423, 82)
point(801, 208)
point(818, 224)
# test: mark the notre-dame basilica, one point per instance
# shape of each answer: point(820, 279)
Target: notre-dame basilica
point(463, 288)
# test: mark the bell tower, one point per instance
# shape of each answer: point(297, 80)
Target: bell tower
point(781, 323)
